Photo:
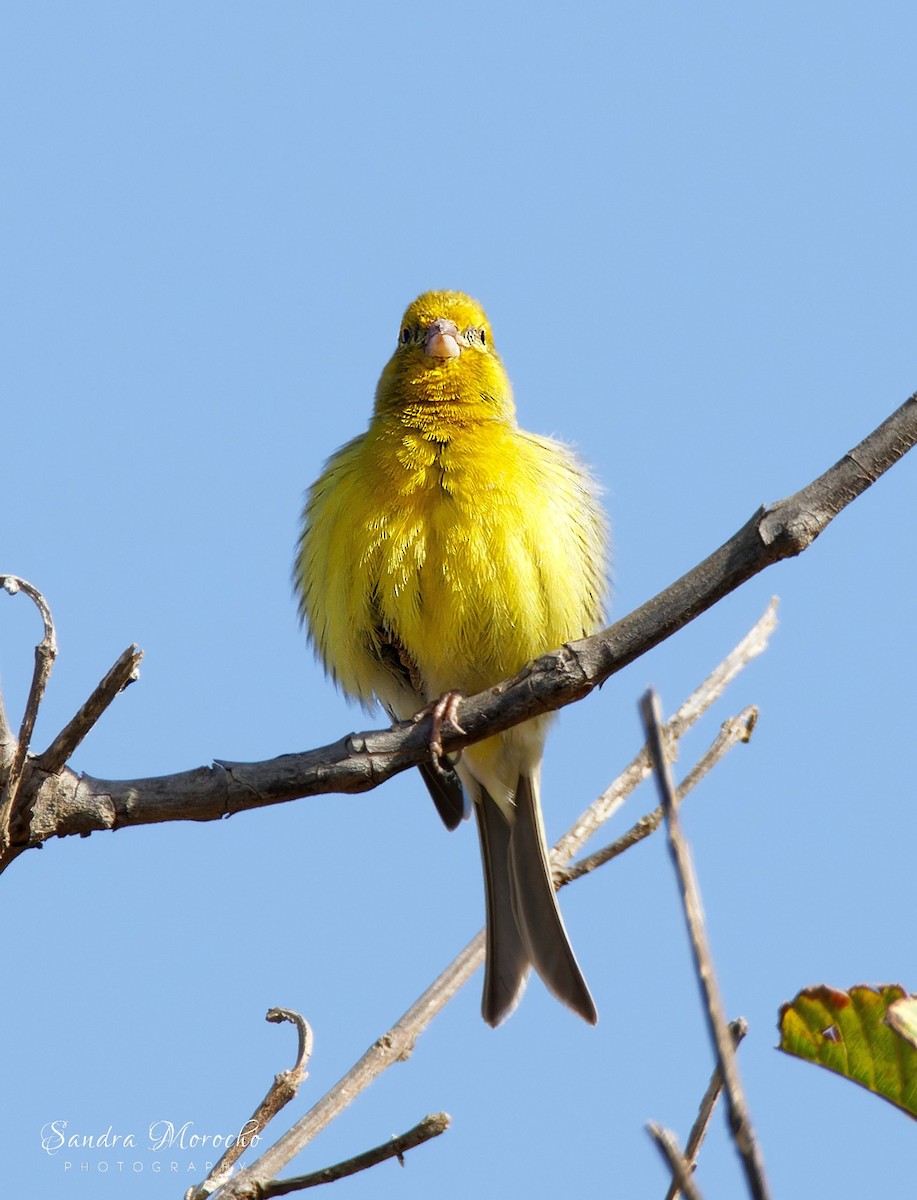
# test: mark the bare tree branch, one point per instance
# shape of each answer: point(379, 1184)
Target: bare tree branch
point(63, 803)
point(739, 1117)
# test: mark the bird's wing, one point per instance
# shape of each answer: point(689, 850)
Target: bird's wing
point(445, 788)
point(444, 785)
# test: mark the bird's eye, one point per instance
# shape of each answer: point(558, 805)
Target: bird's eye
point(405, 336)
point(483, 336)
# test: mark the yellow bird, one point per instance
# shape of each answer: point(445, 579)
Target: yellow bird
point(441, 551)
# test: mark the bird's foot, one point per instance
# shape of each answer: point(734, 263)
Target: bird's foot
point(442, 712)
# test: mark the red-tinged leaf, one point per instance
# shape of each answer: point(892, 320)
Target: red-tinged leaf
point(851, 1033)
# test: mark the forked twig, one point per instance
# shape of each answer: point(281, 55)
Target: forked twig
point(688, 714)
point(739, 1117)
point(732, 732)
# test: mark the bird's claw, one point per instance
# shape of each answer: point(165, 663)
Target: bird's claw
point(442, 712)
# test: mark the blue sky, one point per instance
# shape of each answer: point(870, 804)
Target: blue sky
point(693, 229)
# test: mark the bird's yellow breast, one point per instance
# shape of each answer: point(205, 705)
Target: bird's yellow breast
point(454, 535)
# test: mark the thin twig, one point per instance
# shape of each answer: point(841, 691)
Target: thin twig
point(280, 1093)
point(739, 1117)
point(678, 1165)
point(738, 1029)
point(45, 653)
point(397, 1044)
point(430, 1127)
point(124, 672)
point(732, 732)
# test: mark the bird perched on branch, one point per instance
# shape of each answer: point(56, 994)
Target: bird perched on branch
point(441, 551)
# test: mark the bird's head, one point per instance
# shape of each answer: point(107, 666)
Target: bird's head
point(442, 325)
point(445, 354)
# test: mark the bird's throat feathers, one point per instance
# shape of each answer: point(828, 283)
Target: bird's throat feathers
point(433, 398)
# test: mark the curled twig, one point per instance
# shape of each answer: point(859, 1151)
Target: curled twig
point(45, 653)
point(280, 1093)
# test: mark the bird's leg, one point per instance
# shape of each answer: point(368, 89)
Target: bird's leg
point(441, 712)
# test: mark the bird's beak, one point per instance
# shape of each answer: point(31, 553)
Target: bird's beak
point(442, 339)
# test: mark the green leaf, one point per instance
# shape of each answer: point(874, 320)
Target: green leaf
point(849, 1033)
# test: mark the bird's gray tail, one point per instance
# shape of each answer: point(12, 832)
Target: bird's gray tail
point(524, 924)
